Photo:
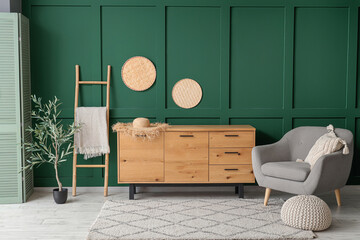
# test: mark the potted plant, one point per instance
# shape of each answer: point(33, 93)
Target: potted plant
point(52, 142)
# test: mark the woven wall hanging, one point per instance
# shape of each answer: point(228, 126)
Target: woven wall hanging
point(138, 73)
point(187, 93)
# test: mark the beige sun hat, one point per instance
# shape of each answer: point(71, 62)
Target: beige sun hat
point(141, 123)
point(140, 128)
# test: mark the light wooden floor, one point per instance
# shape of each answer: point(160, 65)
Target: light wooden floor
point(41, 218)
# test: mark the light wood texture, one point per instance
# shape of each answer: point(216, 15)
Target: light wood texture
point(93, 82)
point(207, 128)
point(231, 174)
point(187, 93)
point(77, 78)
point(90, 166)
point(106, 165)
point(267, 196)
point(141, 160)
point(186, 171)
point(106, 177)
point(186, 145)
point(338, 197)
point(186, 156)
point(231, 139)
point(230, 155)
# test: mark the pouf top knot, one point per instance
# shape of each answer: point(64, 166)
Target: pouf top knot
point(306, 212)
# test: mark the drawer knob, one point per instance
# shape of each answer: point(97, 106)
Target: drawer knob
point(231, 169)
point(232, 153)
point(231, 135)
point(186, 135)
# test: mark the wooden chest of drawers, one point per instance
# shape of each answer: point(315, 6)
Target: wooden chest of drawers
point(184, 154)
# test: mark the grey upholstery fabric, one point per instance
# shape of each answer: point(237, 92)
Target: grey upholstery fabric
point(329, 173)
point(295, 171)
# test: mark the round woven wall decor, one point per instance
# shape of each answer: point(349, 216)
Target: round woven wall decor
point(187, 93)
point(138, 73)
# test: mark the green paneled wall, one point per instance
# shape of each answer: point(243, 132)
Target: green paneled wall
point(274, 64)
point(193, 50)
point(320, 57)
point(257, 42)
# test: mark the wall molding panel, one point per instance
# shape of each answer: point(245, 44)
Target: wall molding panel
point(274, 64)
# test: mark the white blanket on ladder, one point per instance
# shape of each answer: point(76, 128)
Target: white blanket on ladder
point(92, 139)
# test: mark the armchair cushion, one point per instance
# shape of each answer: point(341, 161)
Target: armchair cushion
point(294, 171)
point(327, 143)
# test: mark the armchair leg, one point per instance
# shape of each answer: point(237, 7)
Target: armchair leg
point(338, 198)
point(267, 195)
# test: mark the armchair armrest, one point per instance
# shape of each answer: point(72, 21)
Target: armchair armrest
point(330, 172)
point(275, 152)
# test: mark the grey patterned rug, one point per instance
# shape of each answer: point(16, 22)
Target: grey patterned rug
point(193, 219)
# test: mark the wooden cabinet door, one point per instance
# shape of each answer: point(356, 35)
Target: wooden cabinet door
point(140, 160)
point(186, 156)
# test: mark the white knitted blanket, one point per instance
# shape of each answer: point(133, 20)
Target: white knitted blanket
point(92, 139)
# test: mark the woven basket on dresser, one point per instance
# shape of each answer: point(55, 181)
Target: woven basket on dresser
point(306, 212)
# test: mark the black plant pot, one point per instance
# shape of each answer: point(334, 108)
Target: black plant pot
point(60, 197)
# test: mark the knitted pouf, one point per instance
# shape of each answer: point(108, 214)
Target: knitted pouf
point(306, 212)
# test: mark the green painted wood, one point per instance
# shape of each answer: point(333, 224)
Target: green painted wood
point(25, 88)
point(225, 62)
point(193, 121)
point(11, 185)
point(60, 39)
point(268, 130)
point(257, 42)
point(193, 51)
point(324, 122)
point(321, 43)
point(130, 32)
point(275, 64)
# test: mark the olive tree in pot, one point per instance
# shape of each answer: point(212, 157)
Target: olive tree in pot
point(52, 142)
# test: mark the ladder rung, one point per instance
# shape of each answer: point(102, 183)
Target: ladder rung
point(92, 82)
point(89, 166)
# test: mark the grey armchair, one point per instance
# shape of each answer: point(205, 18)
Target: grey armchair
point(275, 165)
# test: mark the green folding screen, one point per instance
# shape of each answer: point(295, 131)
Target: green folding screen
point(15, 108)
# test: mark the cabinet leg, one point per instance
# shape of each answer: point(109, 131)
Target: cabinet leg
point(241, 190)
point(131, 191)
point(236, 189)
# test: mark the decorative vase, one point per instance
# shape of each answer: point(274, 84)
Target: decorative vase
point(60, 197)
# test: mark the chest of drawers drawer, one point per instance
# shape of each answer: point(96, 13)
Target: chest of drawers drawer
point(230, 156)
point(231, 139)
point(231, 173)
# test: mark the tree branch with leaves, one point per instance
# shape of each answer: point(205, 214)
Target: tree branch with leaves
point(52, 142)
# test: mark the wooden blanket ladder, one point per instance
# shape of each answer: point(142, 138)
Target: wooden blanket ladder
point(106, 165)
